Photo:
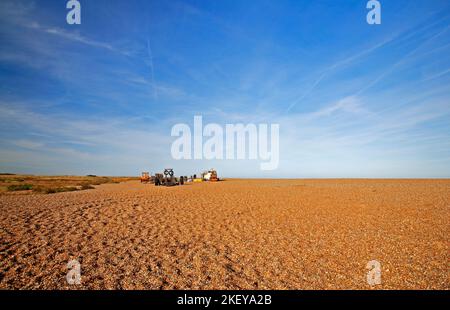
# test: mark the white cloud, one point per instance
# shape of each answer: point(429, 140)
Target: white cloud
point(29, 144)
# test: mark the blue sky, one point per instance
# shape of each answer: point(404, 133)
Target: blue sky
point(352, 99)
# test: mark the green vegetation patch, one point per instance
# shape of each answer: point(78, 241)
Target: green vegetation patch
point(53, 190)
point(19, 187)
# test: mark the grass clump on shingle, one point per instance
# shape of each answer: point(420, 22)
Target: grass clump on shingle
point(19, 187)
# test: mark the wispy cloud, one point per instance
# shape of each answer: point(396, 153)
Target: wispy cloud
point(393, 38)
point(437, 75)
point(75, 139)
point(20, 14)
point(152, 74)
point(76, 37)
point(402, 60)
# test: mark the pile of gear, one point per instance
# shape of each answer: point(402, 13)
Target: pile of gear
point(167, 178)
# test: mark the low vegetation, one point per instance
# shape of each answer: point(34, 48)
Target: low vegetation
point(86, 186)
point(53, 184)
point(19, 187)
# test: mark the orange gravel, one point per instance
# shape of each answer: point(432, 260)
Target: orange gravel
point(236, 234)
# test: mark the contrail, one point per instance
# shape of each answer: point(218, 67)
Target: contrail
point(401, 61)
point(395, 37)
point(150, 56)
